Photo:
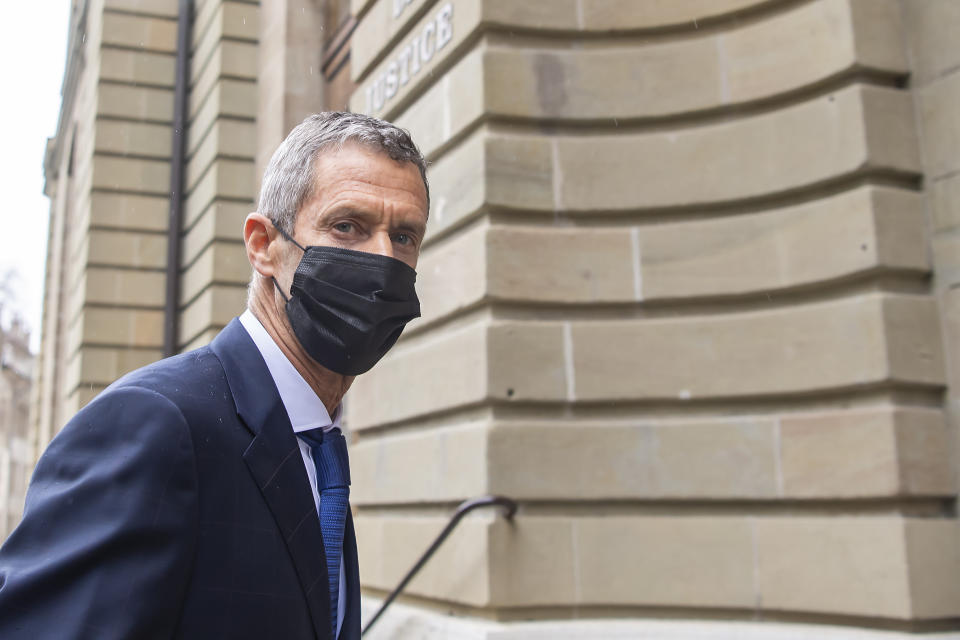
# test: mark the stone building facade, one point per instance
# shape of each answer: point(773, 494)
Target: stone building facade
point(691, 292)
point(16, 447)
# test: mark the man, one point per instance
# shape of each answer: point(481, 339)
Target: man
point(205, 496)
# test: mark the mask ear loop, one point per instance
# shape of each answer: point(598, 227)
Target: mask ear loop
point(287, 236)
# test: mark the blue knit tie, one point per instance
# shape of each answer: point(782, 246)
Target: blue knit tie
point(329, 452)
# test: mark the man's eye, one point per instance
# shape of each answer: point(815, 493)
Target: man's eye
point(402, 238)
point(343, 227)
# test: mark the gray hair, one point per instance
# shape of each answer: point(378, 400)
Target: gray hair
point(289, 180)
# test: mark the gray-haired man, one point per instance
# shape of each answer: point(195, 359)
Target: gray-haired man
point(206, 495)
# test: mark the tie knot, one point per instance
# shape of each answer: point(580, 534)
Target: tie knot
point(329, 451)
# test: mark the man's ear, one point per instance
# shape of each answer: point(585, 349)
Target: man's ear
point(259, 236)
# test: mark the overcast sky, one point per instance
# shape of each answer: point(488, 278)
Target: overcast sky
point(33, 42)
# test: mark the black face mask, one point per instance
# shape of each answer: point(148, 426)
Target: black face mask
point(347, 308)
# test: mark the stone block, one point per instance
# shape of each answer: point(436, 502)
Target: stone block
point(813, 347)
point(615, 15)
point(946, 260)
point(521, 172)
point(229, 60)
point(221, 262)
point(452, 275)
point(124, 287)
point(865, 454)
point(944, 203)
point(913, 340)
point(534, 562)
point(167, 8)
point(128, 211)
point(115, 327)
point(458, 572)
point(574, 265)
point(451, 105)
point(933, 560)
point(222, 221)
point(225, 97)
point(717, 459)
point(766, 58)
point(458, 185)
point(227, 180)
point(134, 139)
point(853, 130)
point(450, 371)
point(841, 565)
point(226, 138)
point(128, 249)
point(143, 32)
point(142, 103)
point(149, 177)
point(446, 464)
point(864, 230)
point(931, 28)
point(214, 308)
point(665, 561)
point(528, 361)
point(940, 125)
point(137, 67)
point(950, 318)
point(102, 365)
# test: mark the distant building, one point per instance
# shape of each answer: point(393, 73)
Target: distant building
point(16, 447)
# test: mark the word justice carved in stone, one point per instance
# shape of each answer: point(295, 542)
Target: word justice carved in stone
point(433, 37)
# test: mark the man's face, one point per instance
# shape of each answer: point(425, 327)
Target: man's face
point(365, 201)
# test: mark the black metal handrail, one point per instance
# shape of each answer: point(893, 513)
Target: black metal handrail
point(509, 509)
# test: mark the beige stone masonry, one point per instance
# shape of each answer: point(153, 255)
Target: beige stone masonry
point(137, 175)
point(850, 343)
point(856, 342)
point(124, 287)
point(225, 139)
point(874, 453)
point(459, 571)
point(134, 139)
point(453, 466)
point(880, 567)
point(142, 103)
point(380, 25)
point(140, 32)
point(165, 8)
point(102, 365)
point(222, 262)
point(215, 307)
point(222, 221)
point(140, 67)
point(855, 130)
point(129, 211)
point(128, 249)
point(854, 566)
point(666, 78)
point(857, 454)
point(228, 180)
point(112, 327)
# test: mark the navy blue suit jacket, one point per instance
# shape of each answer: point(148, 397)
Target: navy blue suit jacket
point(175, 505)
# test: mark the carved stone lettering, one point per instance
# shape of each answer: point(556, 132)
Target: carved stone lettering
point(424, 44)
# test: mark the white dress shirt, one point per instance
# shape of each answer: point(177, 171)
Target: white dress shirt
point(306, 412)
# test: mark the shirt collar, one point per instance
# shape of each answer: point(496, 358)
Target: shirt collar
point(305, 410)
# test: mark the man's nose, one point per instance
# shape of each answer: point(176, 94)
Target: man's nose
point(380, 243)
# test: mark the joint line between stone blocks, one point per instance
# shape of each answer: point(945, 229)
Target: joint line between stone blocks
point(637, 264)
point(569, 371)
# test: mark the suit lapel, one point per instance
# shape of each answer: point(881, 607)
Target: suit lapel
point(274, 461)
